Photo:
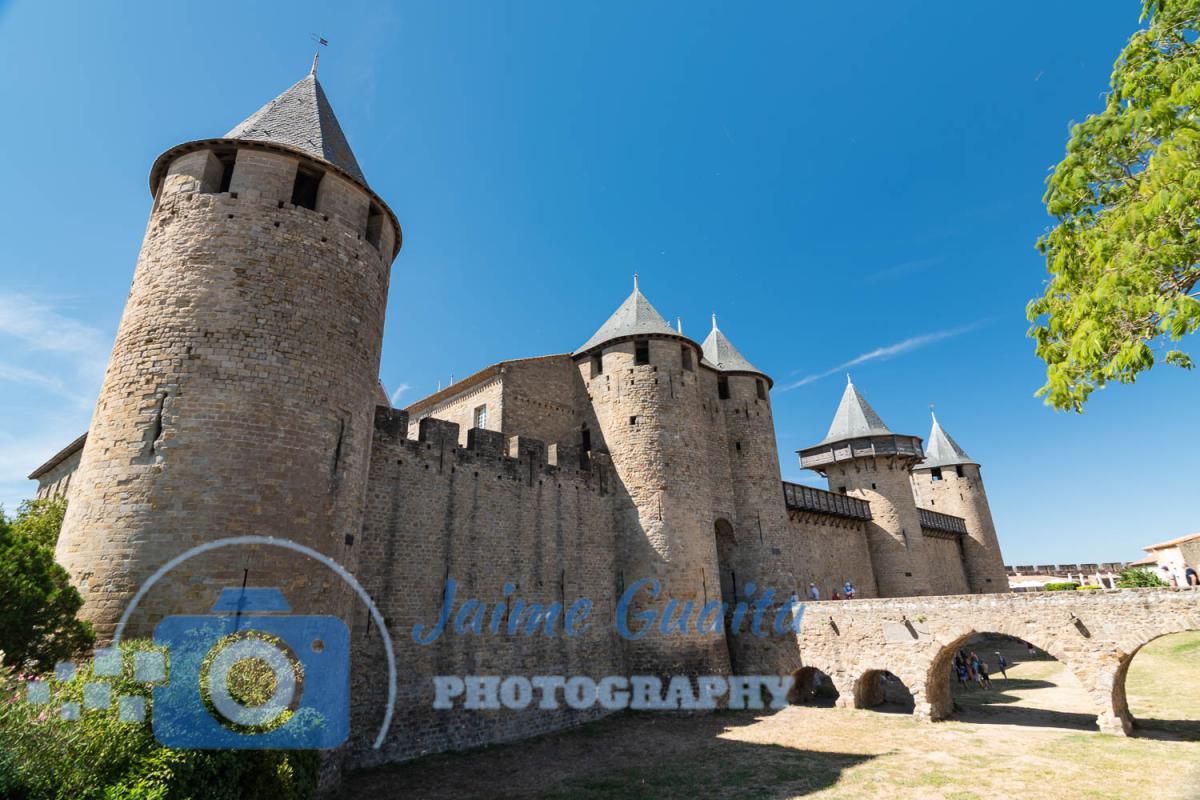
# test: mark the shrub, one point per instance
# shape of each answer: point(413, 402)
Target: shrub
point(1138, 578)
point(98, 757)
point(38, 626)
point(1063, 586)
point(1088, 587)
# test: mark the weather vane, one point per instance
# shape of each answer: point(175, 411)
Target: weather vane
point(321, 42)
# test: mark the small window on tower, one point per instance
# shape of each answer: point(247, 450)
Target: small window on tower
point(936, 473)
point(227, 160)
point(960, 471)
point(481, 416)
point(374, 226)
point(722, 387)
point(641, 352)
point(585, 439)
point(597, 364)
point(304, 192)
point(685, 353)
point(761, 388)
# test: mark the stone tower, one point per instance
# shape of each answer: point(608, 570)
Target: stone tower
point(241, 389)
point(861, 457)
point(948, 480)
point(643, 381)
point(759, 526)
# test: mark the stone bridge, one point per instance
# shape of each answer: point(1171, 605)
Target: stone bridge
point(1095, 634)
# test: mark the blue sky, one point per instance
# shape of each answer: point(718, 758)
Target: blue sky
point(850, 186)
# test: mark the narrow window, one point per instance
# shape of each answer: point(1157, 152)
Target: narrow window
point(641, 352)
point(586, 440)
point(227, 160)
point(374, 226)
point(761, 388)
point(686, 354)
point(936, 473)
point(722, 387)
point(960, 471)
point(304, 192)
point(481, 416)
point(633, 420)
point(597, 364)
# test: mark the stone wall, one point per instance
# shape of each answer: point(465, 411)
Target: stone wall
point(437, 511)
point(946, 571)
point(828, 550)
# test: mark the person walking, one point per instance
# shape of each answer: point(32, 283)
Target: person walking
point(836, 596)
point(814, 593)
point(1191, 576)
point(1002, 664)
point(982, 675)
point(848, 588)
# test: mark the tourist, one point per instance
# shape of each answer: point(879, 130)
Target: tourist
point(1002, 664)
point(1192, 578)
point(962, 676)
point(981, 674)
point(813, 592)
point(1170, 576)
point(836, 596)
point(848, 588)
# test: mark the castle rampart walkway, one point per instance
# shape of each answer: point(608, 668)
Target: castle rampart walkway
point(1095, 634)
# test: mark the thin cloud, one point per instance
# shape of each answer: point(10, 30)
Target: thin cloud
point(42, 328)
point(401, 389)
point(905, 268)
point(889, 351)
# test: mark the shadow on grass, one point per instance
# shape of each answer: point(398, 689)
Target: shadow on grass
point(1171, 730)
point(999, 693)
point(628, 756)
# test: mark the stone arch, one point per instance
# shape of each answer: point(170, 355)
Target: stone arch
point(933, 698)
point(880, 687)
point(813, 686)
point(1120, 712)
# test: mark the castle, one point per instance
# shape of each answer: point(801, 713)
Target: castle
point(242, 398)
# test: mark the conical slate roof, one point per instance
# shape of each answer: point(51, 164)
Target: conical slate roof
point(941, 450)
point(721, 353)
point(302, 118)
point(635, 317)
point(854, 418)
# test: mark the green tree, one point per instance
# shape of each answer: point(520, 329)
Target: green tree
point(1124, 256)
point(38, 624)
point(1138, 578)
point(40, 520)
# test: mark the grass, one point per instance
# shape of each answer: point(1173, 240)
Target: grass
point(990, 751)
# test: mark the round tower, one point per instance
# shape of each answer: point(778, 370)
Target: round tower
point(748, 552)
point(642, 379)
point(861, 457)
point(241, 388)
point(948, 480)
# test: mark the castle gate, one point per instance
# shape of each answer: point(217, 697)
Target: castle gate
point(1094, 634)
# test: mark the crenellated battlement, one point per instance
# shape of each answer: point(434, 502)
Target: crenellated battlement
point(519, 458)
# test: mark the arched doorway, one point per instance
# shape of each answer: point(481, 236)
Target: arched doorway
point(812, 687)
point(881, 690)
point(1159, 685)
point(1024, 685)
point(726, 544)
